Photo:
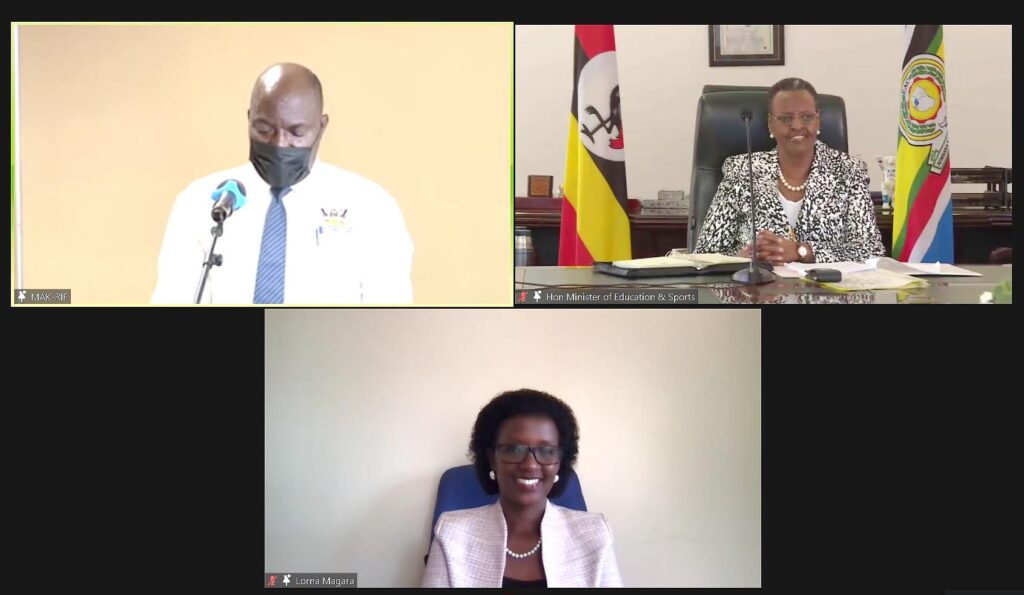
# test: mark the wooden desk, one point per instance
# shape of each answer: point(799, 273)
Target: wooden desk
point(976, 231)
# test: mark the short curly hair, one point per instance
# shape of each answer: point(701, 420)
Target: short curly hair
point(791, 84)
point(513, 403)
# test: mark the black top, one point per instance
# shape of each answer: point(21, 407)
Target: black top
point(507, 582)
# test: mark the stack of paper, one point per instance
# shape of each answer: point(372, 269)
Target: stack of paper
point(876, 279)
point(799, 269)
point(921, 268)
point(842, 267)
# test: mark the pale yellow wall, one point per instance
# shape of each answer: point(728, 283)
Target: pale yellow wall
point(116, 120)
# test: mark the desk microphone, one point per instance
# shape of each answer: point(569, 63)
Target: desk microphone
point(754, 275)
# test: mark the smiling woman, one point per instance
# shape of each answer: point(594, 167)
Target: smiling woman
point(523, 443)
point(812, 201)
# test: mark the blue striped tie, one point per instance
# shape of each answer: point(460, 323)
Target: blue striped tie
point(270, 270)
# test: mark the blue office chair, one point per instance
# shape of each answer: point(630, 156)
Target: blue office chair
point(459, 489)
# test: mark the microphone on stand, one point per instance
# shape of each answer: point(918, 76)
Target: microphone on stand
point(754, 275)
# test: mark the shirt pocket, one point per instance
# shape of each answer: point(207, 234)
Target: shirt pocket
point(338, 263)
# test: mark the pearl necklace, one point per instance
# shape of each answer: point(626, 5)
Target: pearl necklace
point(782, 179)
point(529, 553)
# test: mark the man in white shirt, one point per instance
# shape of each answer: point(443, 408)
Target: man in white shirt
point(307, 233)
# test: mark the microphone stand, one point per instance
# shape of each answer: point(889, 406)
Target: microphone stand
point(753, 275)
point(212, 260)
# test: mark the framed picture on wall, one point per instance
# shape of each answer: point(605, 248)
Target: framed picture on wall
point(745, 45)
point(539, 186)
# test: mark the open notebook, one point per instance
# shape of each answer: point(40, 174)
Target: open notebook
point(674, 264)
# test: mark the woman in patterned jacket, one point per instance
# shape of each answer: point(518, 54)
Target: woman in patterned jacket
point(813, 203)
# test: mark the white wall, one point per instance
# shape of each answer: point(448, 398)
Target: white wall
point(663, 68)
point(365, 410)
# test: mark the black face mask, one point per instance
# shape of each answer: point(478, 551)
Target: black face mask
point(280, 167)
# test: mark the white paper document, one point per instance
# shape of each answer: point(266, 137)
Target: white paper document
point(921, 268)
point(842, 267)
point(793, 270)
point(876, 279)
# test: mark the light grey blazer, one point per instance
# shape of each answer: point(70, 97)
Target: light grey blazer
point(469, 549)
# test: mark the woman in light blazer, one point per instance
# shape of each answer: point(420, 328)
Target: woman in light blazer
point(523, 442)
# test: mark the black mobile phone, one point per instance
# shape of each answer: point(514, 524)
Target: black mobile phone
point(824, 275)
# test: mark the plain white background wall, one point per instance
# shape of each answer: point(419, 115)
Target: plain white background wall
point(366, 409)
point(663, 68)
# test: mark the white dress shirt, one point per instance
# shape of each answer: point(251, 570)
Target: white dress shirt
point(346, 242)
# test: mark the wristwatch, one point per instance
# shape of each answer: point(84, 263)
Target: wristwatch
point(802, 251)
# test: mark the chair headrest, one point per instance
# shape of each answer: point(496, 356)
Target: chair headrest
point(721, 133)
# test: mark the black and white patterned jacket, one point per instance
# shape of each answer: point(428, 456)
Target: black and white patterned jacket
point(837, 218)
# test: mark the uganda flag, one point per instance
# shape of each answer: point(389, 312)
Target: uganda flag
point(922, 229)
point(594, 223)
